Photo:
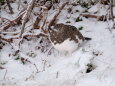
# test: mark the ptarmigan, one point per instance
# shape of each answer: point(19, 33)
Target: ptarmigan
point(65, 38)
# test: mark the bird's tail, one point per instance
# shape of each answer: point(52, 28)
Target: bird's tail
point(86, 38)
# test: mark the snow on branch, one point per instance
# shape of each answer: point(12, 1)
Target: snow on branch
point(10, 40)
point(26, 16)
point(13, 22)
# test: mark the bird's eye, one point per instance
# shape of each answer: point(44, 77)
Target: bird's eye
point(25, 2)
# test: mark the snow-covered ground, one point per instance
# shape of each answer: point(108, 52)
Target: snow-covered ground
point(60, 70)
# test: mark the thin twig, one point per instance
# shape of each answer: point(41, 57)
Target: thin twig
point(36, 68)
point(57, 74)
point(49, 51)
point(44, 65)
point(5, 75)
point(101, 18)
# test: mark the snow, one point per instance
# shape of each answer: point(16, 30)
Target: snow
point(96, 8)
point(57, 69)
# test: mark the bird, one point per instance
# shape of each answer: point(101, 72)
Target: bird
point(66, 38)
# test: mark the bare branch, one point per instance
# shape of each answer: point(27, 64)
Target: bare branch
point(54, 18)
point(10, 40)
point(101, 18)
point(14, 22)
point(9, 6)
point(35, 25)
point(42, 27)
point(111, 10)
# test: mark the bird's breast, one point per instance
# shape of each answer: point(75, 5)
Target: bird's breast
point(68, 45)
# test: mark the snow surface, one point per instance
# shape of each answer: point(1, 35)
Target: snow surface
point(59, 70)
